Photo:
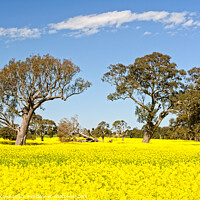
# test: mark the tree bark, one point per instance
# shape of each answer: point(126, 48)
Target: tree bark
point(88, 137)
point(146, 137)
point(149, 131)
point(21, 135)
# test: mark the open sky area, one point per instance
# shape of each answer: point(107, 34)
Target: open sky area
point(95, 34)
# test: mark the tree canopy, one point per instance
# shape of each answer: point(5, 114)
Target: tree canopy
point(102, 130)
point(188, 115)
point(41, 127)
point(68, 128)
point(152, 82)
point(121, 128)
point(26, 85)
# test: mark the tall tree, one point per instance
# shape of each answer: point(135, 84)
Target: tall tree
point(152, 82)
point(188, 115)
point(26, 85)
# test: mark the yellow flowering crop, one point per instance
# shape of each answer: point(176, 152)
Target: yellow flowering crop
point(163, 169)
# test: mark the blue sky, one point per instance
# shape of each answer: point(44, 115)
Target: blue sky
point(95, 34)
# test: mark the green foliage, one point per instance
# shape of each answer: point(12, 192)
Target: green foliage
point(188, 116)
point(135, 133)
point(102, 130)
point(152, 82)
point(164, 133)
point(121, 128)
point(8, 133)
point(41, 127)
point(26, 85)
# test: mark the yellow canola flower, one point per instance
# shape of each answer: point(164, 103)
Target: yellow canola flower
point(163, 169)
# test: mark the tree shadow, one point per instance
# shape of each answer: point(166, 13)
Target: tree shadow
point(192, 144)
point(13, 143)
point(7, 142)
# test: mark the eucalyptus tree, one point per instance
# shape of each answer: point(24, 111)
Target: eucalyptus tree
point(42, 127)
point(152, 82)
point(121, 128)
point(68, 128)
point(26, 85)
point(188, 115)
point(102, 130)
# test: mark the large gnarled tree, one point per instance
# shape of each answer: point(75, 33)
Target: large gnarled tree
point(26, 85)
point(152, 82)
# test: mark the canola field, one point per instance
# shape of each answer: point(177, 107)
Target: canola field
point(163, 169)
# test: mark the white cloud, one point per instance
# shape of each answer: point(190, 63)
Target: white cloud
point(20, 33)
point(147, 33)
point(189, 23)
point(91, 24)
point(176, 18)
point(53, 31)
point(150, 16)
point(197, 23)
point(170, 26)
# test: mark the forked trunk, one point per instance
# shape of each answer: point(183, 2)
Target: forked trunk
point(21, 135)
point(150, 129)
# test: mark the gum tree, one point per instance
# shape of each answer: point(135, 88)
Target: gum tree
point(152, 82)
point(26, 85)
point(121, 128)
point(42, 127)
point(188, 115)
point(102, 130)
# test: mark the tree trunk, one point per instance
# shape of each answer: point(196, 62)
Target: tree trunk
point(122, 137)
point(21, 135)
point(24, 140)
point(146, 137)
point(149, 131)
point(42, 138)
point(88, 137)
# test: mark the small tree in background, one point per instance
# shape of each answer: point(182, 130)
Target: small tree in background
point(8, 133)
point(135, 133)
point(121, 128)
point(42, 127)
point(67, 129)
point(102, 130)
